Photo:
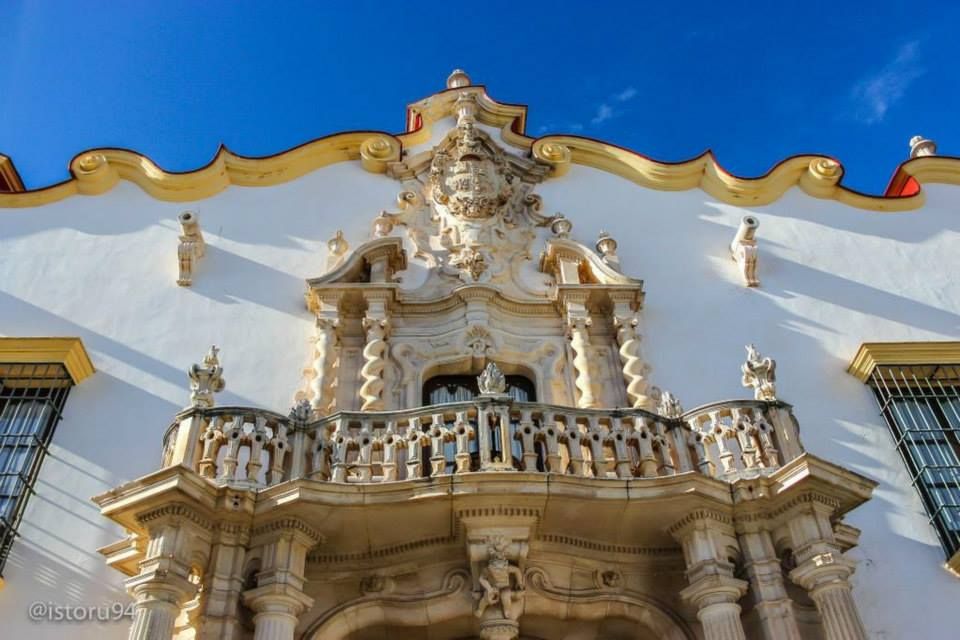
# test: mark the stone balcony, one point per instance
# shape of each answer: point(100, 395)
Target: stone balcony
point(256, 448)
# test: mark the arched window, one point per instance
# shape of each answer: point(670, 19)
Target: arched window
point(444, 389)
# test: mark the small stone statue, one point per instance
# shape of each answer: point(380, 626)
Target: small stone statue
point(206, 379)
point(502, 582)
point(760, 373)
point(301, 411)
point(492, 382)
point(669, 407)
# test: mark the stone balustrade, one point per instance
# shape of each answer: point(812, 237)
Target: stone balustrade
point(725, 440)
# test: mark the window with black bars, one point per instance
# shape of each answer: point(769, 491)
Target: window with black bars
point(32, 397)
point(921, 405)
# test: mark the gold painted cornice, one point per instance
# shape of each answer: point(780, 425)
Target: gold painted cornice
point(873, 354)
point(96, 171)
point(69, 352)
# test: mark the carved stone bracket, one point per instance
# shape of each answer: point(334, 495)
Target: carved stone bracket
point(743, 250)
point(191, 247)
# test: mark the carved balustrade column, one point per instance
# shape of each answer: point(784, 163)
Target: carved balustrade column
point(821, 568)
point(376, 324)
point(708, 540)
point(771, 601)
point(161, 589)
point(278, 599)
point(625, 322)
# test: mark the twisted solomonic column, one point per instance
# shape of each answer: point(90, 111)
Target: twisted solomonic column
point(374, 363)
point(634, 369)
point(580, 343)
point(325, 353)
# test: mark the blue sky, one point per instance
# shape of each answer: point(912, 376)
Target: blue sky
point(755, 82)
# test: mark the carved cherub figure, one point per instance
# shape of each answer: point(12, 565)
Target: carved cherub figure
point(502, 582)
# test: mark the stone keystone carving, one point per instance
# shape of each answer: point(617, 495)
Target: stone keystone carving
point(760, 373)
point(206, 379)
point(491, 381)
point(502, 582)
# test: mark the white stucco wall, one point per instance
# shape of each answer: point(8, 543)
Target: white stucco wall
point(104, 268)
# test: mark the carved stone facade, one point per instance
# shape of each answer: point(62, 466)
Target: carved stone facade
point(594, 503)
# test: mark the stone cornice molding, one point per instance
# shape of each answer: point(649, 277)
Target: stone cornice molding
point(68, 352)
point(698, 516)
point(173, 513)
point(870, 355)
point(287, 525)
point(96, 171)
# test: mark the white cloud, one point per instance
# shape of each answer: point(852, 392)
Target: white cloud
point(876, 93)
point(626, 94)
point(604, 113)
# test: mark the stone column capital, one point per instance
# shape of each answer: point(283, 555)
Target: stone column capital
point(824, 570)
point(708, 590)
point(277, 599)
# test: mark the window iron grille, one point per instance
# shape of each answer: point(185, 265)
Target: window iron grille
point(921, 406)
point(32, 397)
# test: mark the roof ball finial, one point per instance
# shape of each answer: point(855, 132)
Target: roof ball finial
point(457, 79)
point(920, 146)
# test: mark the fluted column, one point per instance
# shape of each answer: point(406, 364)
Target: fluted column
point(277, 608)
point(771, 602)
point(706, 537)
point(826, 577)
point(157, 603)
point(821, 568)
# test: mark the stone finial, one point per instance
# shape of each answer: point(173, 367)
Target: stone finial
point(457, 79)
point(191, 247)
point(607, 248)
point(669, 406)
point(743, 250)
point(382, 225)
point(561, 226)
point(206, 379)
point(338, 247)
point(920, 146)
point(760, 373)
point(492, 381)
point(302, 411)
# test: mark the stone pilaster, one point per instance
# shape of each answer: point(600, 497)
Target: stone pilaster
point(175, 535)
point(707, 537)
point(771, 602)
point(224, 583)
point(278, 599)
